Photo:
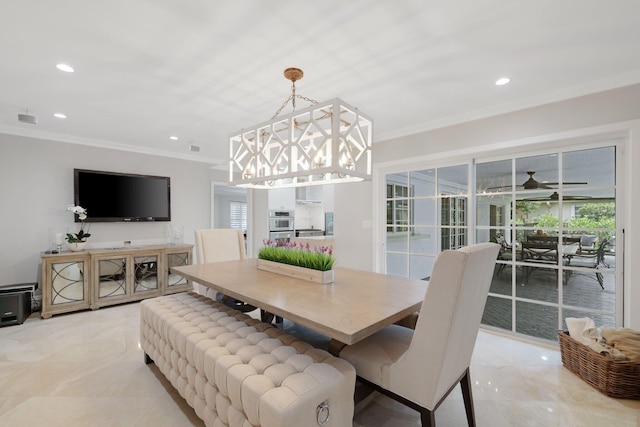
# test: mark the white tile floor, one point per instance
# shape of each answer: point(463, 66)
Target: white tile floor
point(87, 368)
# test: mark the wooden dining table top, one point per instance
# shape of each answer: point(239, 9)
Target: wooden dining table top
point(358, 303)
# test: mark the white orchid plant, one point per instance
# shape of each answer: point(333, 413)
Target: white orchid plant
point(81, 236)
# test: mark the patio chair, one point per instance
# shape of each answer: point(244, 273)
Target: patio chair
point(588, 243)
point(505, 254)
point(420, 367)
point(593, 260)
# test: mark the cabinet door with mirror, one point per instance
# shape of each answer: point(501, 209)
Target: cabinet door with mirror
point(67, 279)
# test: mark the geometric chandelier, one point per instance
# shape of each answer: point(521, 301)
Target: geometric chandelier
point(326, 143)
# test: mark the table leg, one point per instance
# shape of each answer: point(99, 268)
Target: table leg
point(335, 347)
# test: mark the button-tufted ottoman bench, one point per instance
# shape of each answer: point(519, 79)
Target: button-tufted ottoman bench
point(237, 371)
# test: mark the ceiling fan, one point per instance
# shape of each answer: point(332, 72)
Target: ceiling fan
point(554, 197)
point(532, 184)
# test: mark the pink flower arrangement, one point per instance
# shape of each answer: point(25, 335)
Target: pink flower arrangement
point(319, 249)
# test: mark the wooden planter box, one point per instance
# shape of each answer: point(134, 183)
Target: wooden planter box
point(316, 276)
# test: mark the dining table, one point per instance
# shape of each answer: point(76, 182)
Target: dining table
point(357, 304)
point(549, 253)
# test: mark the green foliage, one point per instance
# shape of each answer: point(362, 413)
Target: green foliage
point(299, 257)
point(523, 209)
point(547, 220)
point(598, 211)
point(527, 207)
point(78, 237)
point(592, 216)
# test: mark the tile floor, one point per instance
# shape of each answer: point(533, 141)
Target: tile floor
point(87, 369)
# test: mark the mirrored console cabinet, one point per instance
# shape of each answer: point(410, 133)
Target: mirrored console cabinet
point(95, 278)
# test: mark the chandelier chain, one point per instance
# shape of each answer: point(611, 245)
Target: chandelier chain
point(292, 98)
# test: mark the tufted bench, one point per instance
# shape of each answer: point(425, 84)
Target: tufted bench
point(237, 371)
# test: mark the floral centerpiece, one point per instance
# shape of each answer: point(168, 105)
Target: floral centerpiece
point(298, 260)
point(76, 241)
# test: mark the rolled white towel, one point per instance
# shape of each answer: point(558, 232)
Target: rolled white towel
point(582, 329)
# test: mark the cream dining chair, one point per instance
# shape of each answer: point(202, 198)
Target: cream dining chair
point(216, 245)
point(420, 367)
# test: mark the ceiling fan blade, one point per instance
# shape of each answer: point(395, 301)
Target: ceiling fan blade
point(574, 183)
point(577, 198)
point(499, 187)
point(545, 185)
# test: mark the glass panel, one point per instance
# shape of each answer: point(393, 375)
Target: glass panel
point(578, 261)
point(601, 320)
point(389, 215)
point(397, 264)
point(493, 177)
point(423, 241)
point(534, 209)
point(541, 247)
point(453, 211)
point(583, 289)
point(540, 284)
point(423, 183)
point(67, 282)
point(112, 277)
point(537, 172)
point(501, 281)
point(421, 267)
point(497, 312)
point(401, 214)
point(537, 320)
point(176, 260)
point(423, 211)
point(453, 180)
point(493, 211)
point(590, 212)
point(398, 185)
point(398, 242)
point(145, 273)
point(594, 167)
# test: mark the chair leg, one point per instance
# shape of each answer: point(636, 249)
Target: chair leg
point(428, 418)
point(465, 384)
point(600, 279)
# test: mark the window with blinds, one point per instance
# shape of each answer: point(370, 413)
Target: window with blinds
point(238, 215)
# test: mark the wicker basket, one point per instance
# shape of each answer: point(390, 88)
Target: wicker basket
point(614, 378)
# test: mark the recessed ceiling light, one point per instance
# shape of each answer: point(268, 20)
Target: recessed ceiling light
point(60, 116)
point(64, 67)
point(173, 138)
point(502, 81)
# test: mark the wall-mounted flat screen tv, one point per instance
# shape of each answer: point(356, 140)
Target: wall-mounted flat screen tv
point(112, 196)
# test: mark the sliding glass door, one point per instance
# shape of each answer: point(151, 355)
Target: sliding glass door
point(555, 217)
point(426, 213)
point(554, 214)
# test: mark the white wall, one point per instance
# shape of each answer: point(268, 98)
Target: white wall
point(606, 114)
point(353, 218)
point(36, 185)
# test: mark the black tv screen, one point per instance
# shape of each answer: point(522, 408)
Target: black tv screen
point(111, 196)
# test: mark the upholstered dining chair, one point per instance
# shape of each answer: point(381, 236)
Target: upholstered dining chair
point(217, 245)
point(420, 367)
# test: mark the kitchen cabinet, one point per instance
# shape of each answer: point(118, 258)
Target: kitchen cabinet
point(282, 198)
point(311, 193)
